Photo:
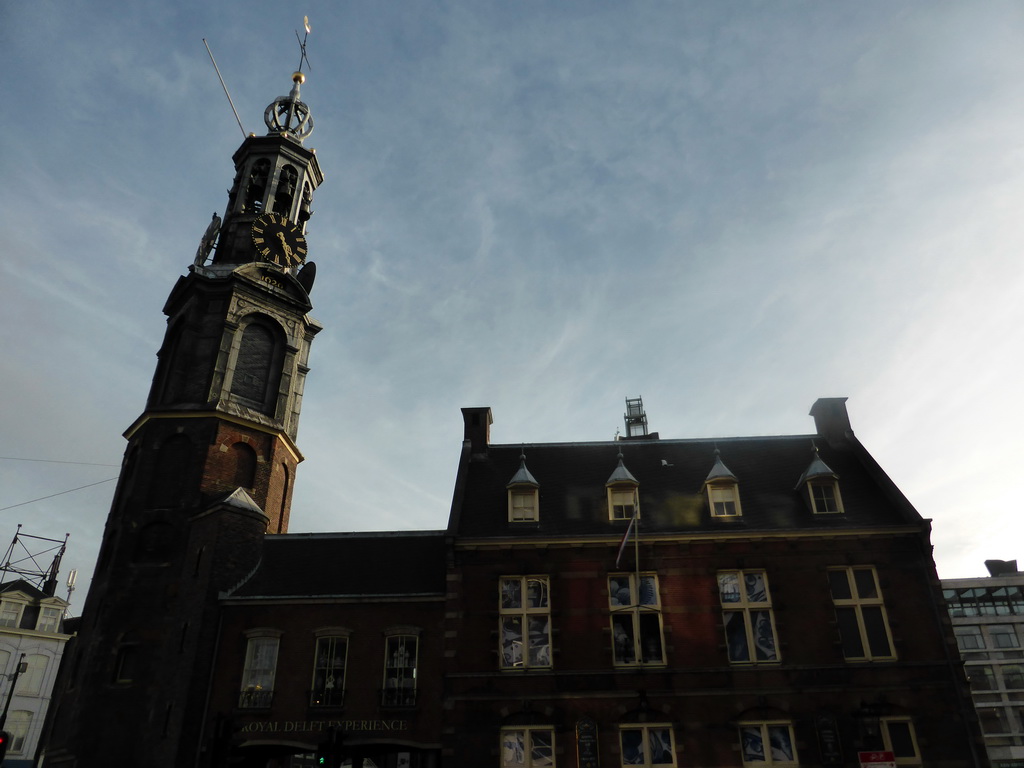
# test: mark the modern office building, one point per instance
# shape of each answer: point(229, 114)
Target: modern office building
point(988, 619)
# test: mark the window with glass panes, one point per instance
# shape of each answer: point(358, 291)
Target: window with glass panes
point(525, 622)
point(527, 747)
point(982, 677)
point(30, 683)
point(747, 615)
point(329, 662)
point(724, 499)
point(993, 720)
point(49, 620)
point(636, 619)
point(400, 657)
point(522, 504)
point(969, 638)
point(622, 502)
point(825, 497)
point(647, 745)
point(17, 726)
point(768, 743)
point(899, 738)
point(10, 613)
point(860, 613)
point(258, 674)
point(1013, 675)
point(1003, 636)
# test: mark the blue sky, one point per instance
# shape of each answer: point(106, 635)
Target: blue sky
point(729, 208)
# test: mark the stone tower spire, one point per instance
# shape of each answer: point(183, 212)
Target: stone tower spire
point(208, 470)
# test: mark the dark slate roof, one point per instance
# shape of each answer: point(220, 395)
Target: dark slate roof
point(313, 565)
point(671, 475)
point(20, 585)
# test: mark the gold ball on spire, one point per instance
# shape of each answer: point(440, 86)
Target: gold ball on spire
point(298, 77)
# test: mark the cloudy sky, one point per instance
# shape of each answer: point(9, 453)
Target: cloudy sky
point(728, 208)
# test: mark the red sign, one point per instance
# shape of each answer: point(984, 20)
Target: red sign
point(877, 759)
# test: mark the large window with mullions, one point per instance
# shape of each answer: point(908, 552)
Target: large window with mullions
point(636, 619)
point(525, 622)
point(747, 616)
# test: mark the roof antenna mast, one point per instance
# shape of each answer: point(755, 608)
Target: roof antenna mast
point(222, 85)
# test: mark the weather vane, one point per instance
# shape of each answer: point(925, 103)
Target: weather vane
point(302, 43)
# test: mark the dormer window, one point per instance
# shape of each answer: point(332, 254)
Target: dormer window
point(822, 487)
point(724, 500)
point(825, 497)
point(623, 494)
point(10, 614)
point(723, 490)
point(523, 495)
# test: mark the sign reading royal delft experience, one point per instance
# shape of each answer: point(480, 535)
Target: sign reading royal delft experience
point(306, 726)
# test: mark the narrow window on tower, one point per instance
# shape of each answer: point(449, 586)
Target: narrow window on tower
point(256, 187)
point(285, 194)
point(636, 619)
point(257, 371)
point(244, 459)
point(171, 476)
point(525, 622)
point(400, 659)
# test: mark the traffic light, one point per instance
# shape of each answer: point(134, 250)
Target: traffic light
point(329, 752)
point(5, 739)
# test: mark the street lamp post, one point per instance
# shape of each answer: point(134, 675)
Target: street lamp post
point(22, 666)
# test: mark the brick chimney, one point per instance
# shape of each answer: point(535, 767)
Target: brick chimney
point(477, 428)
point(831, 420)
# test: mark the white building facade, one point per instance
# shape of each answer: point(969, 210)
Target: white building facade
point(31, 631)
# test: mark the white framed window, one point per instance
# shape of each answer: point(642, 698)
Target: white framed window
point(724, 500)
point(637, 630)
point(825, 498)
point(401, 654)
point(260, 669)
point(10, 613)
point(623, 502)
point(768, 743)
point(899, 737)
point(860, 613)
point(330, 659)
point(747, 616)
point(982, 677)
point(647, 744)
point(523, 504)
point(527, 747)
point(1013, 675)
point(49, 619)
point(18, 723)
point(525, 622)
point(30, 683)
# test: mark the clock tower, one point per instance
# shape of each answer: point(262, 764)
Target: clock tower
point(208, 470)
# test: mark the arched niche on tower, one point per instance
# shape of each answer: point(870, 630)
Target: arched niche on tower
point(257, 358)
point(172, 473)
point(183, 373)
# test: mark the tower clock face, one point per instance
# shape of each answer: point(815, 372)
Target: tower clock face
point(279, 240)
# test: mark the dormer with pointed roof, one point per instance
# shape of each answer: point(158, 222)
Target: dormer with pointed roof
point(723, 490)
point(623, 493)
point(821, 485)
point(523, 495)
